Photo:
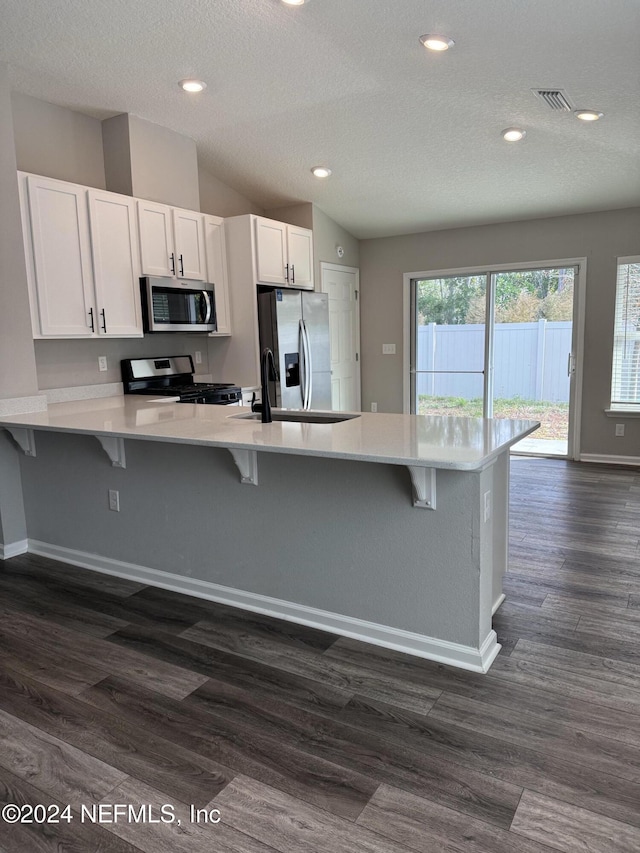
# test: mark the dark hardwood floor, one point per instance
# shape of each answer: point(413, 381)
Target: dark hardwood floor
point(115, 693)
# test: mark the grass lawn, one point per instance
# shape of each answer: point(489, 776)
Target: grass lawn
point(553, 417)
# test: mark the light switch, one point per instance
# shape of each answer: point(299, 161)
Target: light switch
point(388, 349)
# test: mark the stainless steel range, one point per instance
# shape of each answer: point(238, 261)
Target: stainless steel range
point(172, 376)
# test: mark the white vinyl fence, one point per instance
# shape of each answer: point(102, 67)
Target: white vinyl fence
point(530, 360)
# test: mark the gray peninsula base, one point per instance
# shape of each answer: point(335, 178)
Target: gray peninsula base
point(329, 542)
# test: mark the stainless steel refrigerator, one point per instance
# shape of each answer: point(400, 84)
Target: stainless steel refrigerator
point(295, 325)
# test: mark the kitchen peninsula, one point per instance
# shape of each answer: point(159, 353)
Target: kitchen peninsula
point(384, 527)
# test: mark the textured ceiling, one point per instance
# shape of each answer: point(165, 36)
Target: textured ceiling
point(413, 137)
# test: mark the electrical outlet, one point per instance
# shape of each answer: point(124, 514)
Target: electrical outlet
point(619, 430)
point(198, 357)
point(102, 363)
point(388, 349)
point(487, 506)
point(374, 407)
point(114, 500)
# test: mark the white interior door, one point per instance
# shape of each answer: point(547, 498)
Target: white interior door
point(342, 284)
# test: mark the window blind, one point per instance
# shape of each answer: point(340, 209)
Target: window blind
point(625, 380)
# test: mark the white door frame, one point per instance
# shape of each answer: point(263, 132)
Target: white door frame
point(577, 344)
point(324, 265)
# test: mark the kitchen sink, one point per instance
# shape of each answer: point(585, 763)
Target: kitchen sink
point(299, 417)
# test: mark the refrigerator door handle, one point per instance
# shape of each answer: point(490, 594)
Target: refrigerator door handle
point(308, 366)
point(303, 366)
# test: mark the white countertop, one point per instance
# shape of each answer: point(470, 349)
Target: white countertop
point(429, 441)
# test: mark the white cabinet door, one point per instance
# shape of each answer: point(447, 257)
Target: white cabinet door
point(156, 239)
point(300, 248)
point(217, 270)
point(116, 264)
point(61, 257)
point(271, 252)
point(188, 228)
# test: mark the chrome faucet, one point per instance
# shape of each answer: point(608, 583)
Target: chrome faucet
point(267, 372)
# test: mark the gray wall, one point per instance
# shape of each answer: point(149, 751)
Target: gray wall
point(300, 214)
point(163, 164)
point(219, 199)
point(13, 527)
point(327, 235)
point(116, 143)
point(308, 554)
point(17, 359)
point(600, 237)
point(57, 142)
point(65, 363)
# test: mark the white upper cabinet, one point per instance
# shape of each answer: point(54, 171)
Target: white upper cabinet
point(86, 249)
point(116, 263)
point(83, 268)
point(215, 250)
point(171, 241)
point(188, 229)
point(271, 252)
point(58, 257)
point(156, 239)
point(284, 254)
point(300, 246)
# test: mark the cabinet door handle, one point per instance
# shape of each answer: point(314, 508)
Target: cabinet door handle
point(93, 328)
point(104, 321)
point(293, 274)
point(286, 272)
point(181, 266)
point(172, 258)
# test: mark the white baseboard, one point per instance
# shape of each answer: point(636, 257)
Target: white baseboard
point(454, 654)
point(497, 603)
point(605, 459)
point(13, 549)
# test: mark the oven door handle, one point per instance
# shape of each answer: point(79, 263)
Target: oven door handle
point(207, 300)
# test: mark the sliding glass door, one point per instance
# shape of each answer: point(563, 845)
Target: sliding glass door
point(449, 344)
point(497, 344)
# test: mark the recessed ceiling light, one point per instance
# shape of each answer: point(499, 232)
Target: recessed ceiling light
point(293, 2)
point(588, 115)
point(192, 85)
point(433, 42)
point(513, 134)
point(321, 171)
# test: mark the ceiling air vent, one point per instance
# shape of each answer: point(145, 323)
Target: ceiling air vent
point(555, 99)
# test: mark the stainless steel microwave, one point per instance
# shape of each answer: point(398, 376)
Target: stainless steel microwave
point(177, 305)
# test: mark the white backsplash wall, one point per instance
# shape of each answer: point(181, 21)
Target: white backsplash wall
point(69, 363)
